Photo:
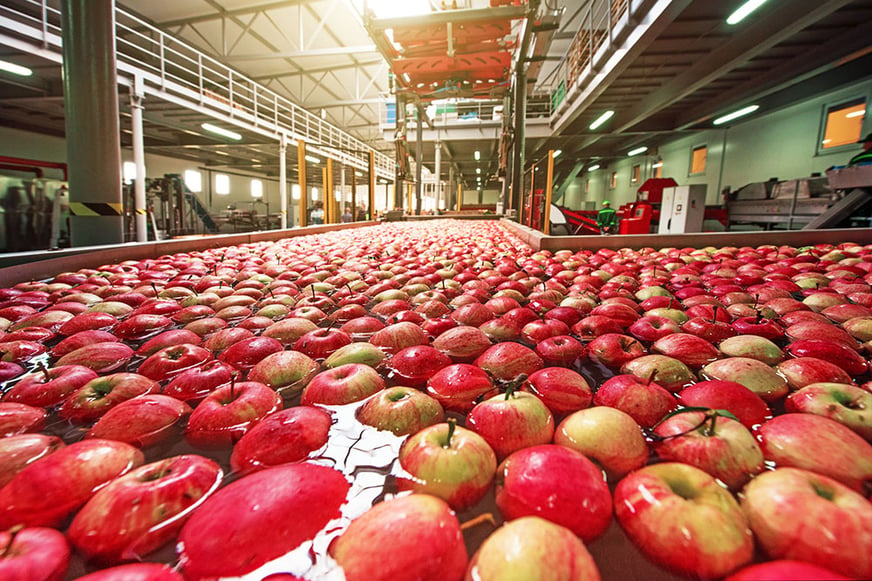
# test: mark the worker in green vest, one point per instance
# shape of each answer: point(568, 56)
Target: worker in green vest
point(607, 219)
point(864, 156)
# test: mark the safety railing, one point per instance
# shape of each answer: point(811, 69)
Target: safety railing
point(173, 69)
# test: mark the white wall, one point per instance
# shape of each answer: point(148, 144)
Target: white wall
point(780, 144)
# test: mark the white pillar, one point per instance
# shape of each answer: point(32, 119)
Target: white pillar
point(139, 204)
point(283, 179)
point(438, 171)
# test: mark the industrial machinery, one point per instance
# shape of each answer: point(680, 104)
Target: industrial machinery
point(173, 210)
point(35, 207)
point(836, 199)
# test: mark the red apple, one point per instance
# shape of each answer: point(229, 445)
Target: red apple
point(398, 336)
point(650, 328)
point(19, 418)
point(135, 572)
point(512, 421)
point(459, 387)
point(561, 389)
point(289, 435)
point(321, 343)
point(558, 484)
point(287, 372)
point(342, 385)
point(245, 354)
point(449, 462)
point(796, 514)
point(462, 344)
point(803, 371)
point(258, 518)
point(614, 349)
point(683, 520)
point(82, 339)
point(46, 492)
point(431, 546)
point(195, 384)
point(734, 397)
point(101, 394)
point(101, 357)
point(507, 361)
point(142, 421)
point(168, 339)
point(691, 350)
point(836, 353)
point(142, 510)
point(34, 554)
point(226, 414)
point(400, 410)
point(17, 452)
point(644, 401)
point(170, 361)
point(847, 404)
point(141, 326)
point(784, 569)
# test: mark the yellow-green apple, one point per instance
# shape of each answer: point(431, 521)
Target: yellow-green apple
point(753, 347)
point(287, 331)
point(462, 344)
point(393, 338)
point(142, 421)
point(803, 371)
point(287, 372)
point(245, 354)
point(401, 410)
point(507, 361)
point(511, 421)
point(81, 339)
point(643, 400)
point(797, 514)
point(226, 414)
point(532, 548)
point(17, 452)
point(615, 349)
point(141, 326)
point(683, 520)
point(447, 461)
point(712, 441)
point(693, 351)
point(141, 511)
point(673, 312)
point(342, 385)
point(558, 484)
point(431, 546)
point(34, 554)
point(753, 374)
point(51, 320)
point(47, 491)
point(289, 435)
point(168, 339)
point(170, 361)
point(195, 384)
point(460, 386)
point(782, 569)
point(103, 357)
point(734, 397)
point(859, 327)
point(358, 352)
point(818, 444)
point(844, 403)
point(101, 394)
point(258, 518)
point(49, 387)
point(562, 390)
point(623, 451)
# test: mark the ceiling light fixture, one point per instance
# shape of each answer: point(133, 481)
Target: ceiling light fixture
point(594, 167)
point(601, 120)
point(477, 155)
point(478, 170)
point(312, 159)
point(556, 153)
point(736, 114)
point(637, 151)
point(855, 114)
point(658, 164)
point(221, 131)
point(15, 69)
point(744, 10)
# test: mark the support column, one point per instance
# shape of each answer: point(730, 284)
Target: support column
point(419, 159)
point(301, 176)
point(283, 179)
point(371, 209)
point(329, 194)
point(518, 149)
point(438, 170)
point(549, 190)
point(140, 211)
point(353, 195)
point(92, 128)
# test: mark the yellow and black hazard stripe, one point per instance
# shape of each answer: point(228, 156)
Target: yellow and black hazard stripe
point(142, 211)
point(95, 209)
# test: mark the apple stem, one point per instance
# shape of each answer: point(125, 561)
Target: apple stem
point(480, 519)
point(513, 385)
point(44, 370)
point(452, 425)
point(313, 292)
point(269, 290)
point(651, 375)
point(715, 314)
point(710, 428)
point(233, 384)
point(154, 288)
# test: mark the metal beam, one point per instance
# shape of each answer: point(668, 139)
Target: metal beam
point(225, 13)
point(325, 69)
point(315, 52)
point(454, 16)
point(784, 21)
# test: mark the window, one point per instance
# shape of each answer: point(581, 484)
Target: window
point(128, 171)
point(314, 193)
point(194, 180)
point(256, 189)
point(697, 160)
point(637, 173)
point(613, 180)
point(658, 169)
point(295, 191)
point(843, 124)
point(587, 186)
point(222, 184)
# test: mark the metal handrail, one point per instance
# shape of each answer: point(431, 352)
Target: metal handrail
point(178, 71)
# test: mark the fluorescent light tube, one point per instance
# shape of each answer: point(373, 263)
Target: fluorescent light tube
point(744, 10)
point(601, 120)
point(221, 131)
point(736, 114)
